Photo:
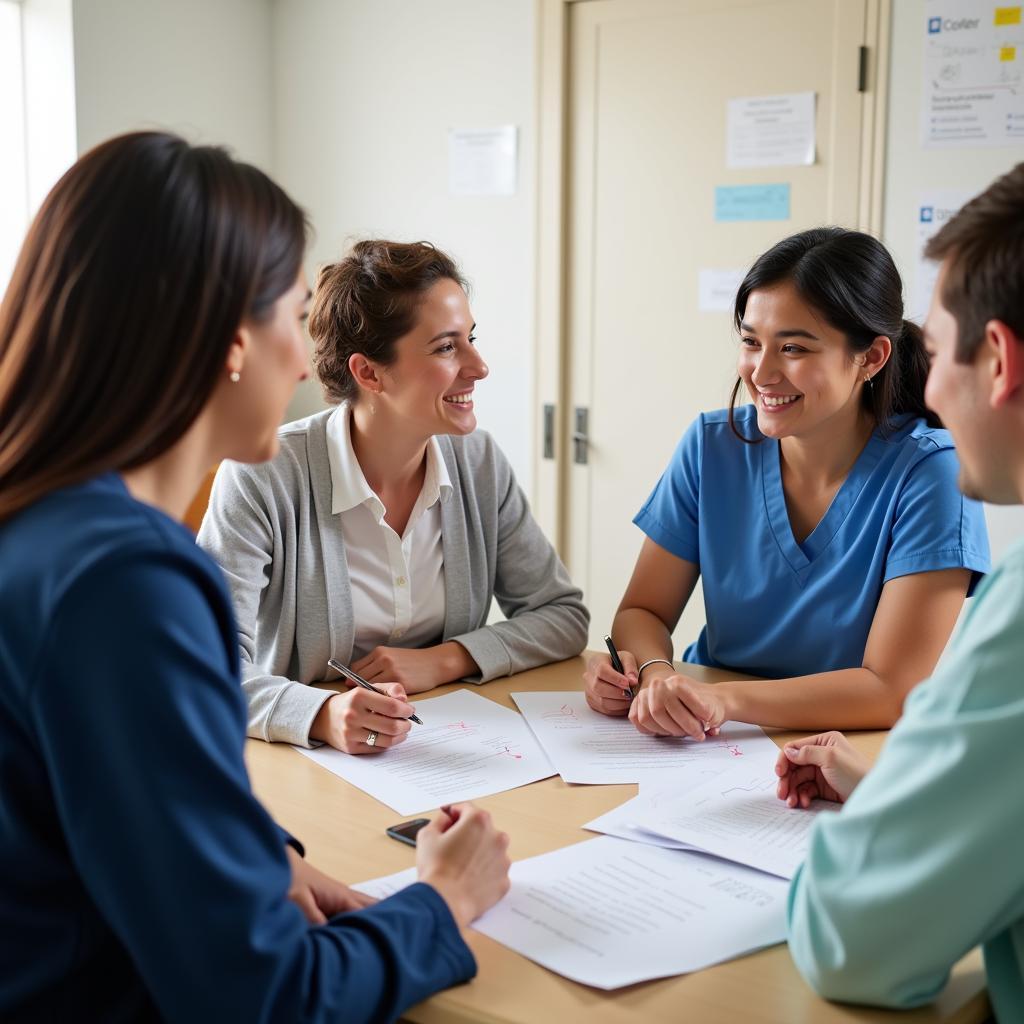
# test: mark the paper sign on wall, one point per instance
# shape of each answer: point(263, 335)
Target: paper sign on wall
point(751, 202)
point(716, 289)
point(770, 131)
point(934, 208)
point(973, 91)
point(482, 162)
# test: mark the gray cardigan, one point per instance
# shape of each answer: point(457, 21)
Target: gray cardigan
point(271, 528)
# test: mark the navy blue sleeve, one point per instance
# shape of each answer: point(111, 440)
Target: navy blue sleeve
point(140, 719)
point(935, 526)
point(671, 515)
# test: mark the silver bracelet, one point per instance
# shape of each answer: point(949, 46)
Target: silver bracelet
point(653, 661)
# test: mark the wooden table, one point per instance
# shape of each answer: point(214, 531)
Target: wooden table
point(343, 831)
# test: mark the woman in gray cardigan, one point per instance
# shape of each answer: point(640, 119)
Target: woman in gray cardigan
point(384, 527)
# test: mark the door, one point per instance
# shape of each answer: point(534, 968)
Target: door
point(648, 83)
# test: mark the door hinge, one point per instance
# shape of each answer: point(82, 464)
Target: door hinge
point(862, 70)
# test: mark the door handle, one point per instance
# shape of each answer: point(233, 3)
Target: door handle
point(580, 436)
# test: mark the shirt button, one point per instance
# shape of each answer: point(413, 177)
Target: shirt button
point(396, 634)
point(401, 581)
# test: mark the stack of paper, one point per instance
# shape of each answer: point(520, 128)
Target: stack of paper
point(735, 816)
point(467, 747)
point(610, 913)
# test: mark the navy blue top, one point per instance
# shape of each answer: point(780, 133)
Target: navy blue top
point(139, 876)
point(776, 607)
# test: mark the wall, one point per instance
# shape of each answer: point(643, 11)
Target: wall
point(365, 93)
point(198, 67)
point(910, 168)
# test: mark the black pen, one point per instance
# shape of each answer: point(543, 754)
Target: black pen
point(617, 663)
point(360, 681)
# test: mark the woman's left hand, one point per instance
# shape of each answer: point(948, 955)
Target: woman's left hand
point(676, 705)
point(416, 669)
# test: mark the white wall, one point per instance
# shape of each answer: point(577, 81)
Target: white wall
point(910, 168)
point(198, 67)
point(365, 93)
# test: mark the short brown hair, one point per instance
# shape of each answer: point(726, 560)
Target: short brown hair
point(983, 249)
point(367, 301)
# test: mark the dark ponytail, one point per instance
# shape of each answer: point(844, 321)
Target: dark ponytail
point(850, 280)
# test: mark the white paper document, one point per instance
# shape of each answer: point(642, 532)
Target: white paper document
point(588, 747)
point(770, 131)
point(716, 289)
point(609, 913)
point(934, 209)
point(467, 747)
point(736, 816)
point(621, 822)
point(482, 162)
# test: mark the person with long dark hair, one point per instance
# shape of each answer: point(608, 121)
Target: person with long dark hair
point(151, 327)
point(823, 518)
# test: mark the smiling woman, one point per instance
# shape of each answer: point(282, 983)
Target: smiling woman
point(834, 546)
point(381, 533)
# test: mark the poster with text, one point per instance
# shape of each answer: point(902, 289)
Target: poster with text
point(973, 91)
point(934, 208)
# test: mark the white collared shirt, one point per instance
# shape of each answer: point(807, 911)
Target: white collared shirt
point(398, 597)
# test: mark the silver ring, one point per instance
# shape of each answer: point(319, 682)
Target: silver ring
point(371, 738)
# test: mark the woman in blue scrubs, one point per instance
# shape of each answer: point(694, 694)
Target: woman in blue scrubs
point(824, 518)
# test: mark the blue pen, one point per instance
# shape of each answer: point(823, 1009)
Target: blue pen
point(360, 681)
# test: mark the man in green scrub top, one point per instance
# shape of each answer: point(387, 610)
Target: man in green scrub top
point(926, 859)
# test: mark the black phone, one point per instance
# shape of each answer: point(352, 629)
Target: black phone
point(407, 830)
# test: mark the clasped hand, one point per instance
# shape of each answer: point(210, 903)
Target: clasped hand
point(670, 704)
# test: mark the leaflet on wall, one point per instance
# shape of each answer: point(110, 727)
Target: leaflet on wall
point(482, 162)
point(770, 131)
point(934, 207)
point(716, 289)
point(973, 91)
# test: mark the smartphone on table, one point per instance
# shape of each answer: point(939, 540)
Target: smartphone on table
point(406, 831)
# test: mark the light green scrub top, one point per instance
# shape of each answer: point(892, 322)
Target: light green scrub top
point(926, 860)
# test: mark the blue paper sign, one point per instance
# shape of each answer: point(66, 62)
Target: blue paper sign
point(751, 202)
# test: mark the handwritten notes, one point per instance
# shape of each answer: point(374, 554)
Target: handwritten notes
point(467, 747)
point(587, 747)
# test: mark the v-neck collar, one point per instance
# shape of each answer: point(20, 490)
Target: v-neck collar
point(800, 556)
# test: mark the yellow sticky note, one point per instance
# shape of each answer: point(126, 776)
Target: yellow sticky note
point(1007, 52)
point(1007, 16)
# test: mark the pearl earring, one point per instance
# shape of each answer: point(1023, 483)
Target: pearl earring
point(234, 376)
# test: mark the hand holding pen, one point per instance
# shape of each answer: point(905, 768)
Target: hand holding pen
point(609, 681)
point(354, 677)
point(364, 720)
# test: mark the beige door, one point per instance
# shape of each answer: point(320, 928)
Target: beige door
point(648, 83)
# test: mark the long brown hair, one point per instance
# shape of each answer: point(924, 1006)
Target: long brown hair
point(129, 288)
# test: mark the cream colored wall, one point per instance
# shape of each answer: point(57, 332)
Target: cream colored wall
point(198, 67)
point(910, 168)
point(365, 93)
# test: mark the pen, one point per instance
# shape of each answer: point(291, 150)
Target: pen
point(617, 664)
point(360, 681)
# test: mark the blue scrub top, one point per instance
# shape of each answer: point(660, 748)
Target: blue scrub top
point(777, 608)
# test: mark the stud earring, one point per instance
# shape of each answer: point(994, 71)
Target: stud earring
point(234, 376)
point(870, 381)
